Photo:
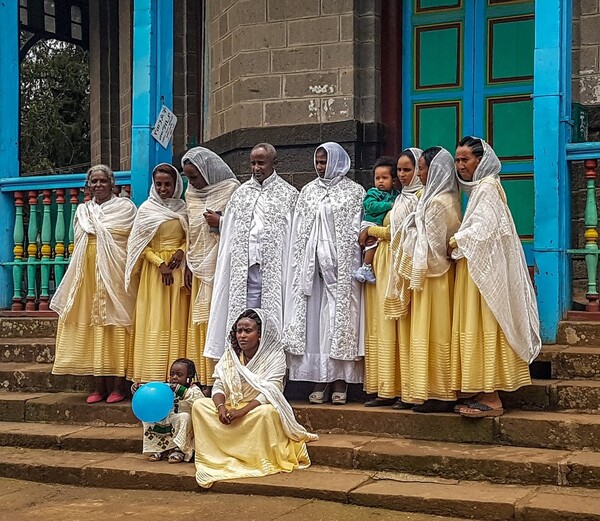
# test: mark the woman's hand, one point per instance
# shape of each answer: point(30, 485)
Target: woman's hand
point(176, 259)
point(187, 278)
point(362, 237)
point(227, 416)
point(167, 274)
point(212, 218)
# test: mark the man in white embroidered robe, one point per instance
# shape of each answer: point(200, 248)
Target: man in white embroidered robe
point(253, 253)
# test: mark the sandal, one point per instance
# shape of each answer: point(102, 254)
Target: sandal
point(481, 410)
point(320, 396)
point(339, 397)
point(464, 404)
point(155, 456)
point(176, 457)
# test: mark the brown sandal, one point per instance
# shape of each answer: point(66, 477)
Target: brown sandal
point(481, 410)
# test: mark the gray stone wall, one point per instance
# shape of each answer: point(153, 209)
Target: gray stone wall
point(293, 72)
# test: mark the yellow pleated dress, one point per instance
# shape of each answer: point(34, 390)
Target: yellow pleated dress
point(482, 359)
point(81, 347)
point(425, 354)
point(196, 338)
point(159, 333)
point(382, 356)
point(250, 447)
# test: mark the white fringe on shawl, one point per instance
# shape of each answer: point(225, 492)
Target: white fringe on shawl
point(152, 213)
point(489, 241)
point(405, 204)
point(203, 246)
point(426, 231)
point(243, 383)
point(114, 216)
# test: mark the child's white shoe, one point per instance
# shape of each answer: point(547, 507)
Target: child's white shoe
point(365, 274)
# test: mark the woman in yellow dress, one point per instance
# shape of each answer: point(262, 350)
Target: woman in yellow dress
point(210, 186)
point(155, 254)
point(95, 311)
point(382, 329)
point(496, 327)
point(427, 280)
point(248, 429)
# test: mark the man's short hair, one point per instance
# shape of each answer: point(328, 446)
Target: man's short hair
point(270, 149)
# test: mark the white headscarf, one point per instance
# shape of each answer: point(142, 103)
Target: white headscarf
point(489, 241)
point(203, 246)
point(489, 165)
point(152, 213)
point(110, 223)
point(441, 179)
point(407, 199)
point(246, 382)
point(338, 162)
point(405, 204)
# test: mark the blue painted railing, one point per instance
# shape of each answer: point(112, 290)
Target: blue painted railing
point(42, 233)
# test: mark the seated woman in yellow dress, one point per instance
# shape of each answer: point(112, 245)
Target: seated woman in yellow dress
point(248, 428)
point(155, 254)
point(95, 311)
point(496, 326)
point(427, 282)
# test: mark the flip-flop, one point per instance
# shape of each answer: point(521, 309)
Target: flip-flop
point(463, 404)
point(176, 457)
point(482, 411)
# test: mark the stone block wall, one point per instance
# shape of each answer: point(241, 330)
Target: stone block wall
point(585, 90)
point(292, 72)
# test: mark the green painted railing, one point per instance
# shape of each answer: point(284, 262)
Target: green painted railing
point(43, 233)
point(589, 152)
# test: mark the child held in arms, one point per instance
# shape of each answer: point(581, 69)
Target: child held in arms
point(377, 203)
point(173, 438)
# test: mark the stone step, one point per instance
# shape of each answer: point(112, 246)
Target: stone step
point(459, 461)
point(578, 395)
point(466, 499)
point(28, 327)
point(552, 430)
point(32, 377)
point(578, 333)
point(567, 362)
point(27, 350)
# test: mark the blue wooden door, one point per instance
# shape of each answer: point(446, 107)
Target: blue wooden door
point(467, 69)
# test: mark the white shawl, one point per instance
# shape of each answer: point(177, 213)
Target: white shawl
point(243, 383)
point(489, 241)
point(111, 223)
point(425, 232)
point(230, 291)
point(152, 213)
point(326, 236)
point(405, 204)
point(203, 246)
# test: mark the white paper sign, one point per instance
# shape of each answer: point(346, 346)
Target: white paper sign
point(164, 127)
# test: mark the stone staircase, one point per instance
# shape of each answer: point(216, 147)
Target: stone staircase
point(541, 460)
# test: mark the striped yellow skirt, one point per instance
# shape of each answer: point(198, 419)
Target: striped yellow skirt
point(196, 338)
point(482, 359)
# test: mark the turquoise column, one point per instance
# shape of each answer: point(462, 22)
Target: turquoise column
point(9, 136)
point(151, 88)
point(551, 116)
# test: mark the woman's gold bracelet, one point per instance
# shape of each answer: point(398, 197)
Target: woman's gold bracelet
point(220, 405)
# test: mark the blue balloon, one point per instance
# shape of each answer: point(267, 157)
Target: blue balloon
point(152, 402)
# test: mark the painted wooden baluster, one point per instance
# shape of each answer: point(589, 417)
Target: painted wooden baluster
point(74, 200)
point(591, 236)
point(88, 195)
point(46, 251)
point(59, 237)
point(18, 250)
point(32, 232)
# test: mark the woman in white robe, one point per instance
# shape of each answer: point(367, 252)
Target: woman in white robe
point(323, 315)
